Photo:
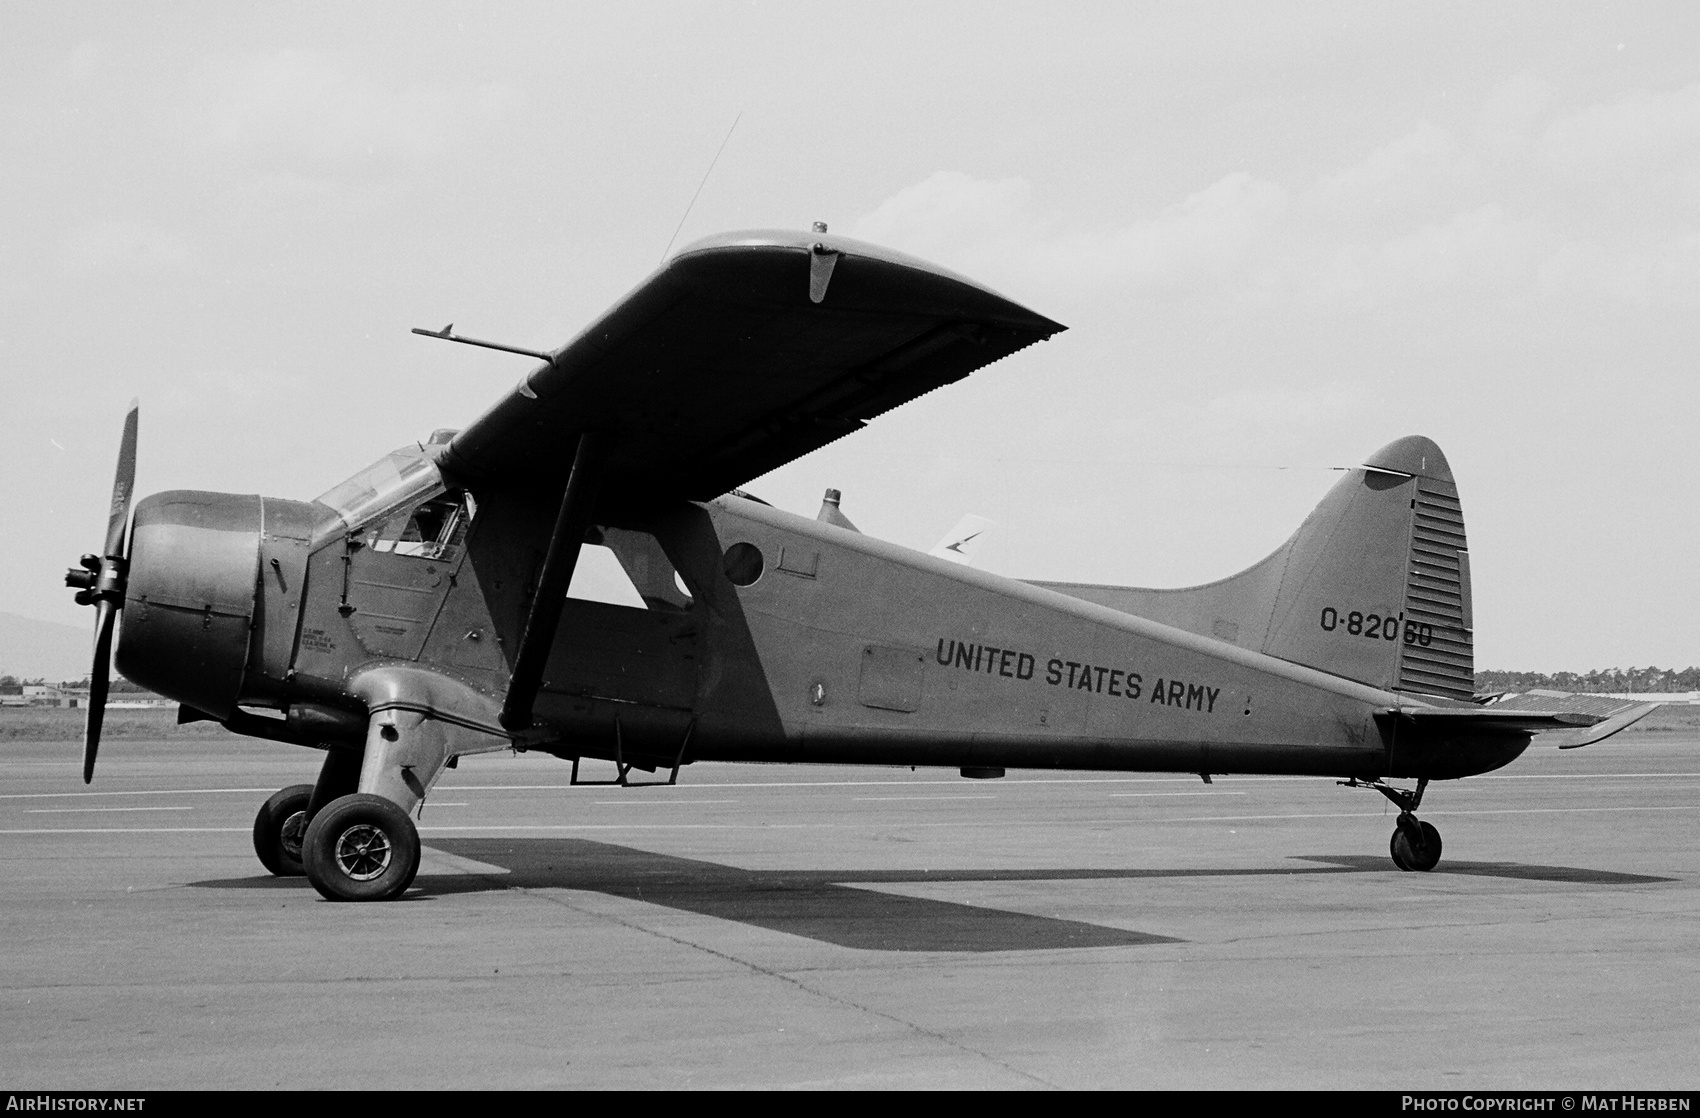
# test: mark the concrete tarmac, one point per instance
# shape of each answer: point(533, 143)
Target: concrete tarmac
point(763, 926)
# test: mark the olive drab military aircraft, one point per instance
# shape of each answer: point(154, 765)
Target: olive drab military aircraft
point(420, 611)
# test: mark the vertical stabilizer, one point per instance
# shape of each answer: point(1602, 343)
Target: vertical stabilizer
point(1374, 586)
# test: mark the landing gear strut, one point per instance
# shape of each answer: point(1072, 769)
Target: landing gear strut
point(1415, 845)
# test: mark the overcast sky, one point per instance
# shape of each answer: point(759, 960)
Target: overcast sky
point(1281, 235)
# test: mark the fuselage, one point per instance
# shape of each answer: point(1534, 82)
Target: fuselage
point(765, 636)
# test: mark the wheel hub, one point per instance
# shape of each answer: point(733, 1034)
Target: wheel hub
point(363, 852)
point(290, 834)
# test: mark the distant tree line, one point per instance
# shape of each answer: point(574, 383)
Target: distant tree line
point(1607, 679)
point(12, 685)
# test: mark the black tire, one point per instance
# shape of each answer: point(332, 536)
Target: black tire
point(1409, 856)
point(1395, 846)
point(361, 848)
point(279, 828)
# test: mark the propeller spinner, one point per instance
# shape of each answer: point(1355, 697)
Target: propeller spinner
point(100, 582)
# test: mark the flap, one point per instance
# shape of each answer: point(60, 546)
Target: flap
point(741, 353)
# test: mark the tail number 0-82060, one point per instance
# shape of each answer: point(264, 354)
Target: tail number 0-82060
point(1373, 626)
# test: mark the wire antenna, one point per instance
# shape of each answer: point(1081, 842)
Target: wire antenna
point(700, 185)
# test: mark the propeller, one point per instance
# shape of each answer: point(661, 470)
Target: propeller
point(100, 581)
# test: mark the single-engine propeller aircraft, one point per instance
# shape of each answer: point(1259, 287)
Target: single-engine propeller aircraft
point(419, 611)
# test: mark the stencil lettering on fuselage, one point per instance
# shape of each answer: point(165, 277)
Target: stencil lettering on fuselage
point(1075, 675)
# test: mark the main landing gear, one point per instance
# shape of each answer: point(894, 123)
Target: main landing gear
point(350, 831)
point(361, 848)
point(358, 847)
point(351, 845)
point(278, 830)
point(1415, 845)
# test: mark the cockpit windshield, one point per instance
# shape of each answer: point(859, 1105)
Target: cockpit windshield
point(397, 481)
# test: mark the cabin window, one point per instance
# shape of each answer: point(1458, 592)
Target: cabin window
point(623, 567)
point(599, 577)
point(743, 564)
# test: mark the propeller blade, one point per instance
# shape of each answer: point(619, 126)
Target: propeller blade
point(99, 677)
point(100, 582)
point(123, 486)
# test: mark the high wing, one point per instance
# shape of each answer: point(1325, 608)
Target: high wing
point(741, 353)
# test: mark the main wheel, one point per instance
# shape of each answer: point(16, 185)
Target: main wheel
point(1411, 856)
point(361, 848)
point(278, 829)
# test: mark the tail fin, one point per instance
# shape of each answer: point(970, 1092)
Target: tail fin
point(1374, 586)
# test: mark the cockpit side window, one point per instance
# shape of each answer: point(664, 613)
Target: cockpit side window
point(433, 530)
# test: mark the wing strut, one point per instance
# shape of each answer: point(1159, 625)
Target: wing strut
point(564, 545)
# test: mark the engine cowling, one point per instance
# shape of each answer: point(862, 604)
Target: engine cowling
point(200, 622)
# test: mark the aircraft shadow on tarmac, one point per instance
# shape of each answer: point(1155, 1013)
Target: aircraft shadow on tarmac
point(1517, 871)
point(825, 906)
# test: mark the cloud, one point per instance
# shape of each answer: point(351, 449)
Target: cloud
point(247, 393)
point(1213, 235)
point(1527, 202)
point(1659, 272)
point(991, 228)
point(306, 113)
point(86, 60)
point(950, 207)
point(1512, 112)
point(1642, 133)
point(1420, 170)
point(1269, 425)
point(122, 248)
point(1482, 250)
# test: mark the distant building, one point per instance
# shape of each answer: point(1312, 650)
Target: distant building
point(76, 696)
point(1675, 698)
point(55, 695)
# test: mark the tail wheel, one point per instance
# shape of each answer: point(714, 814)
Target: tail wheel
point(1423, 855)
point(279, 828)
point(361, 848)
point(1395, 846)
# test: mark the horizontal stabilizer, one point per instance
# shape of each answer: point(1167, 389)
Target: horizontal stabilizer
point(960, 543)
point(1463, 719)
point(1565, 720)
point(1602, 730)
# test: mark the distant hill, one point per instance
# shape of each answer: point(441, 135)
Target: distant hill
point(31, 649)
